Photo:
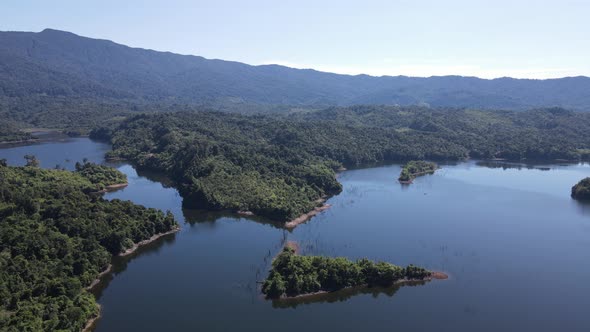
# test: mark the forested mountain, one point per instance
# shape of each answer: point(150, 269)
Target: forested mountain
point(52, 63)
point(278, 166)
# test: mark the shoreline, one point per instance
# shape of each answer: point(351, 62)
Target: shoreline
point(306, 216)
point(22, 141)
point(147, 241)
point(436, 275)
point(92, 321)
point(246, 213)
point(112, 187)
point(96, 281)
point(116, 186)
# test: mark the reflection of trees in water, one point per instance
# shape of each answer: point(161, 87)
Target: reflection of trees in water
point(119, 264)
point(583, 206)
point(194, 216)
point(341, 295)
point(157, 177)
point(519, 166)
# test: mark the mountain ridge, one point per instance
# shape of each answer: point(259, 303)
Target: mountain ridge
point(60, 63)
point(52, 30)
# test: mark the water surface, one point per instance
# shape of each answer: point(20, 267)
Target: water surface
point(515, 244)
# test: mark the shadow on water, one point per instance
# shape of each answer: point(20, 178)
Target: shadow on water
point(583, 206)
point(154, 176)
point(540, 165)
point(342, 295)
point(195, 216)
point(119, 264)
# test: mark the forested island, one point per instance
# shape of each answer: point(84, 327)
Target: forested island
point(415, 168)
point(581, 191)
point(294, 275)
point(56, 236)
point(282, 166)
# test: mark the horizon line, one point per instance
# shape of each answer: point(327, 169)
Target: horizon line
point(286, 64)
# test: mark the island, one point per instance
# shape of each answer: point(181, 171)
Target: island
point(581, 191)
point(415, 168)
point(58, 237)
point(294, 275)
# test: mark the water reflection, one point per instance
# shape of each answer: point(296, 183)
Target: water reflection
point(159, 177)
point(342, 295)
point(119, 264)
point(514, 165)
point(583, 206)
point(196, 216)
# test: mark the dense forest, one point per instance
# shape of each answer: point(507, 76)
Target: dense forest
point(101, 176)
point(278, 166)
point(293, 275)
point(581, 190)
point(56, 235)
point(78, 116)
point(414, 168)
point(227, 161)
point(73, 116)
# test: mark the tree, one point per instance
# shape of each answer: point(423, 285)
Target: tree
point(32, 161)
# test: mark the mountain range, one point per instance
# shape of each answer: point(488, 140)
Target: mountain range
point(54, 63)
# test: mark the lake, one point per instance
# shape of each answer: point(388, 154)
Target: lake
point(515, 245)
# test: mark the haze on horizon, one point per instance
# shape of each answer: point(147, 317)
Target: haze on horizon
point(488, 39)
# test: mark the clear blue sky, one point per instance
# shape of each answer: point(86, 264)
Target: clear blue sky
point(518, 38)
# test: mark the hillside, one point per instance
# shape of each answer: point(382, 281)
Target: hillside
point(53, 64)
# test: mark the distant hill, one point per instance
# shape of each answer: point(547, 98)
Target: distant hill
point(54, 63)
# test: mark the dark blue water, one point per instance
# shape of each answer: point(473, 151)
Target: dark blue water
point(515, 244)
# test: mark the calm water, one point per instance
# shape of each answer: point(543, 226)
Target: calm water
point(515, 245)
point(59, 151)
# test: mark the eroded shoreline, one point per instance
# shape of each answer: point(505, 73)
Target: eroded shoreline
point(112, 187)
point(96, 281)
point(306, 216)
point(144, 242)
point(92, 321)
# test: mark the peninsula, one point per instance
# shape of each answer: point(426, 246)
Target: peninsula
point(415, 168)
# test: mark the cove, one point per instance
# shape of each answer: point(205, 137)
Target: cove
point(514, 243)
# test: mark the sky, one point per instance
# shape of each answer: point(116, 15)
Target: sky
point(488, 39)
